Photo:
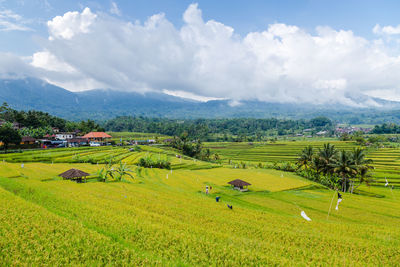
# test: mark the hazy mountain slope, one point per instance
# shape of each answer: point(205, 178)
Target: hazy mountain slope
point(100, 104)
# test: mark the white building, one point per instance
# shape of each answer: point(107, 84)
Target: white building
point(64, 136)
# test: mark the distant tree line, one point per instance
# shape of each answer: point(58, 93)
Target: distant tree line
point(36, 124)
point(33, 119)
point(203, 129)
point(386, 128)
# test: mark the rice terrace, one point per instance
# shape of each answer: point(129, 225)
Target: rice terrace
point(164, 216)
point(207, 133)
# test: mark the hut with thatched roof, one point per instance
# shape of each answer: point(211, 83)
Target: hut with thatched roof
point(75, 175)
point(239, 185)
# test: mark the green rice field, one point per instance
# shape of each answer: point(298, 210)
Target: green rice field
point(386, 160)
point(164, 217)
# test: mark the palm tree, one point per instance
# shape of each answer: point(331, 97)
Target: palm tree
point(122, 171)
point(344, 167)
point(104, 173)
point(359, 157)
point(317, 165)
point(327, 156)
point(362, 165)
point(306, 157)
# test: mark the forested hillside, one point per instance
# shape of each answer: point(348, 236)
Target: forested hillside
point(203, 128)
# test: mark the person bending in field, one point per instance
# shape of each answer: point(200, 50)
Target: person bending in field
point(229, 206)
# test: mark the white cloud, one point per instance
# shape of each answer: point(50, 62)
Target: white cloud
point(12, 66)
point(114, 9)
point(60, 73)
point(48, 61)
point(390, 30)
point(72, 23)
point(189, 95)
point(283, 63)
point(10, 21)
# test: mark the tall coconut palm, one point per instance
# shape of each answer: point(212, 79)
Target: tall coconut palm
point(306, 156)
point(344, 167)
point(327, 156)
point(317, 165)
point(362, 165)
point(359, 159)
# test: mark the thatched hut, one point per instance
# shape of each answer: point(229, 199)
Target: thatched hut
point(74, 174)
point(239, 184)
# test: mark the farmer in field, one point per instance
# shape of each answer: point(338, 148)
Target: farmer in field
point(207, 189)
point(217, 199)
point(229, 206)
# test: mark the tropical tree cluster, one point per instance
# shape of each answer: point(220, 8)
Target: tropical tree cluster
point(188, 146)
point(386, 128)
point(33, 119)
point(344, 170)
point(237, 129)
point(149, 162)
point(9, 135)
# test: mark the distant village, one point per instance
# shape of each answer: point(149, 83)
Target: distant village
point(60, 139)
point(337, 132)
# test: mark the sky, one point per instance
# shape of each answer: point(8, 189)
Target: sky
point(300, 51)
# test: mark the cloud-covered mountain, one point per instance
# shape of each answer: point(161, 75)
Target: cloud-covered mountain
point(282, 63)
point(100, 104)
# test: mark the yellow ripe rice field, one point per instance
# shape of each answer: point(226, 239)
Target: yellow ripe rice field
point(164, 217)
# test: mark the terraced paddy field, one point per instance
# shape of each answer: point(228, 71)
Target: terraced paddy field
point(103, 155)
point(262, 152)
point(386, 160)
point(164, 217)
point(127, 136)
point(387, 166)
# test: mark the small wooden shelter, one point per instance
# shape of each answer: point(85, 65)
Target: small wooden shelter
point(239, 184)
point(74, 174)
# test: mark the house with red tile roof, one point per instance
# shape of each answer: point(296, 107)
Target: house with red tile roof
point(97, 136)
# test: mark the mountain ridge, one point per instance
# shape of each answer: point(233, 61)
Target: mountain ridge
point(103, 104)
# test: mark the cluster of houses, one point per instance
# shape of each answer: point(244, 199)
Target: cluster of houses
point(71, 139)
point(350, 130)
point(68, 139)
point(340, 130)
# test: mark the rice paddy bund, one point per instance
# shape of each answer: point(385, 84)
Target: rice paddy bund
point(163, 217)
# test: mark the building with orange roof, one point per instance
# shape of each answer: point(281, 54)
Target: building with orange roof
point(97, 136)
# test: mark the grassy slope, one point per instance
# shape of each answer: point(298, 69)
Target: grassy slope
point(154, 220)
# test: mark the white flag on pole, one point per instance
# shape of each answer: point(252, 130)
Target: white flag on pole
point(304, 215)
point(339, 199)
point(387, 183)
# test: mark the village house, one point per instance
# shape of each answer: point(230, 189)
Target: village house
point(27, 140)
point(64, 136)
point(322, 133)
point(97, 136)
